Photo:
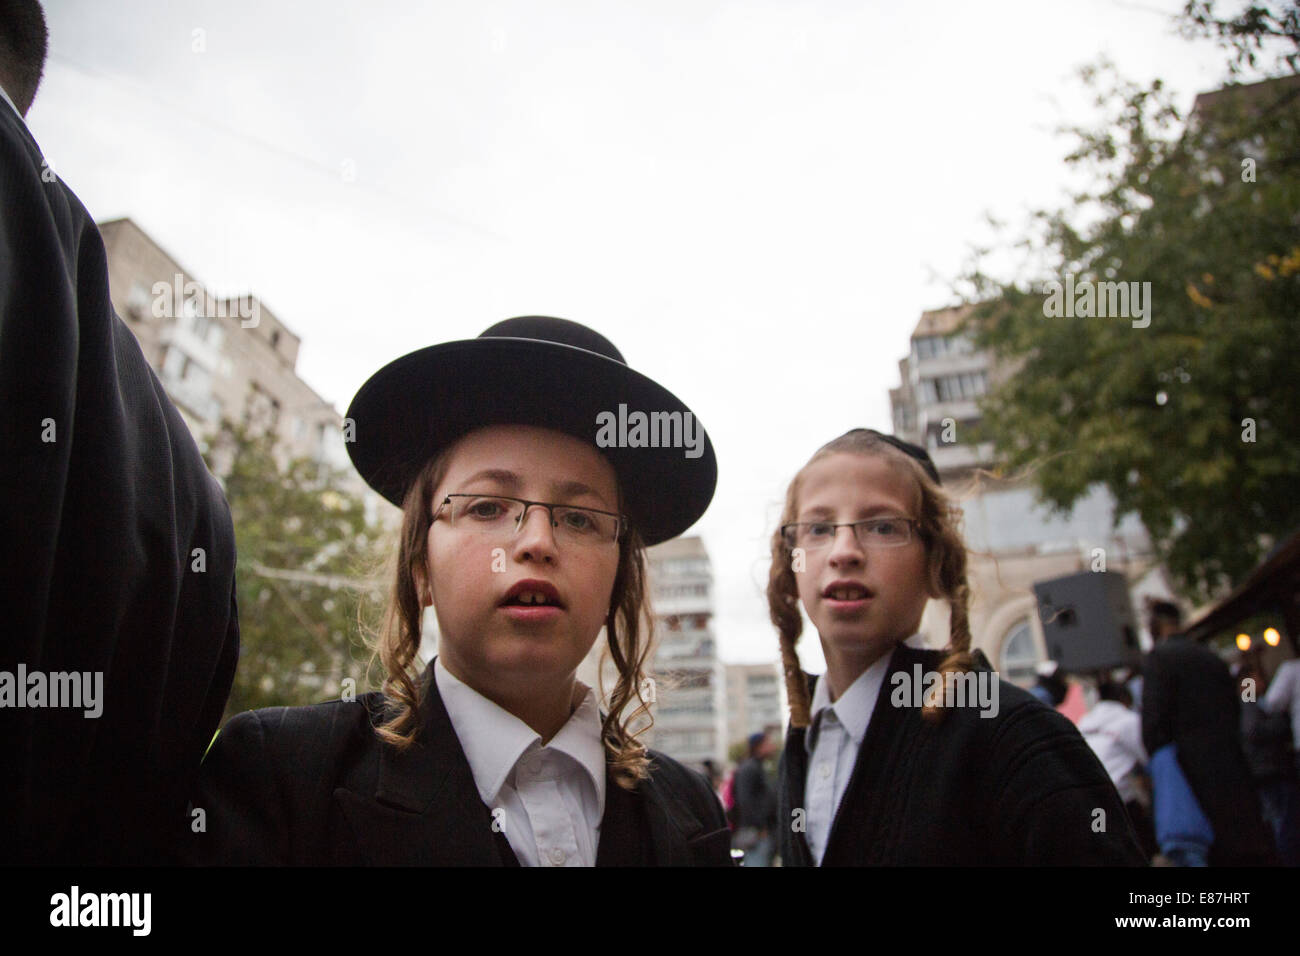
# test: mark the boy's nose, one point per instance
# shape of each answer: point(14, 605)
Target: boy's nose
point(846, 548)
point(535, 537)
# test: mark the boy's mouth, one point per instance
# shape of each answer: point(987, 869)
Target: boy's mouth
point(846, 596)
point(846, 591)
point(531, 593)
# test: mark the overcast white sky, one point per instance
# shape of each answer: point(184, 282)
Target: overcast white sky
point(754, 200)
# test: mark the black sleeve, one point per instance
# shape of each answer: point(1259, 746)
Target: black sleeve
point(237, 815)
point(117, 554)
point(1055, 804)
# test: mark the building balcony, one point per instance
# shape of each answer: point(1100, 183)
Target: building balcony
point(196, 399)
point(178, 334)
point(948, 365)
point(933, 413)
point(953, 457)
point(690, 604)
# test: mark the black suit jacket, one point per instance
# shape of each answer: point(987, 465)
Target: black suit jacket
point(1190, 699)
point(315, 786)
point(1020, 788)
point(103, 499)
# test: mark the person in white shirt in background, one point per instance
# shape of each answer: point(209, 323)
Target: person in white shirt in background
point(1284, 697)
point(1114, 731)
point(1281, 797)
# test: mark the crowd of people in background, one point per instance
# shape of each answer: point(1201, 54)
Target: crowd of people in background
point(1202, 752)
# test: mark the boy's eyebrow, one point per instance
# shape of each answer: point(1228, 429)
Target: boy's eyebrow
point(499, 475)
point(576, 489)
point(823, 510)
point(561, 490)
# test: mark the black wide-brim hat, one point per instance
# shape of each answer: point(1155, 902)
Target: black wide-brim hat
point(532, 370)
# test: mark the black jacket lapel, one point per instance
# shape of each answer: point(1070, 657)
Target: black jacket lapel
point(624, 828)
point(426, 808)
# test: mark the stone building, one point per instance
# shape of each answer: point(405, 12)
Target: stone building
point(230, 358)
point(1013, 541)
point(755, 701)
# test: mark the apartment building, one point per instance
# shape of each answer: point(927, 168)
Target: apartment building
point(1013, 540)
point(755, 700)
point(221, 358)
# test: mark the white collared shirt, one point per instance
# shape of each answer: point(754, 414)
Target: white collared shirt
point(548, 800)
point(834, 737)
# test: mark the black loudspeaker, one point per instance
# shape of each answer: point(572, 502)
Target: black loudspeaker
point(1088, 621)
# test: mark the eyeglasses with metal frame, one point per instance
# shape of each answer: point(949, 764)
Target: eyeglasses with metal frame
point(503, 515)
point(880, 532)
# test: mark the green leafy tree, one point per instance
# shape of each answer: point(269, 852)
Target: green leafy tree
point(1193, 420)
point(1250, 31)
point(306, 559)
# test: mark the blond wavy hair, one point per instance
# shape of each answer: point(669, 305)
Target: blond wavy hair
point(628, 631)
point(945, 550)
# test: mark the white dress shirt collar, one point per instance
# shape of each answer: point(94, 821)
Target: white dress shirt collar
point(854, 707)
point(494, 739)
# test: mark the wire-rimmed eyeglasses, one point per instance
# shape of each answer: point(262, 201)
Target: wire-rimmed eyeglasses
point(504, 516)
point(882, 532)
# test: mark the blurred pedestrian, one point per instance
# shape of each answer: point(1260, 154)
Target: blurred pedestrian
point(1283, 697)
point(1190, 704)
point(712, 774)
point(1268, 735)
point(1049, 684)
point(755, 798)
point(1114, 732)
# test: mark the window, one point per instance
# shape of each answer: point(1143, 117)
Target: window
point(138, 303)
point(973, 384)
point(960, 344)
point(1018, 655)
point(953, 388)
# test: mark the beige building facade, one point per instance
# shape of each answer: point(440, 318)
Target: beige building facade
point(687, 689)
point(755, 701)
point(1013, 541)
point(223, 359)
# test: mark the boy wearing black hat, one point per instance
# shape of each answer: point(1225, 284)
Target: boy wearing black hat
point(527, 538)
